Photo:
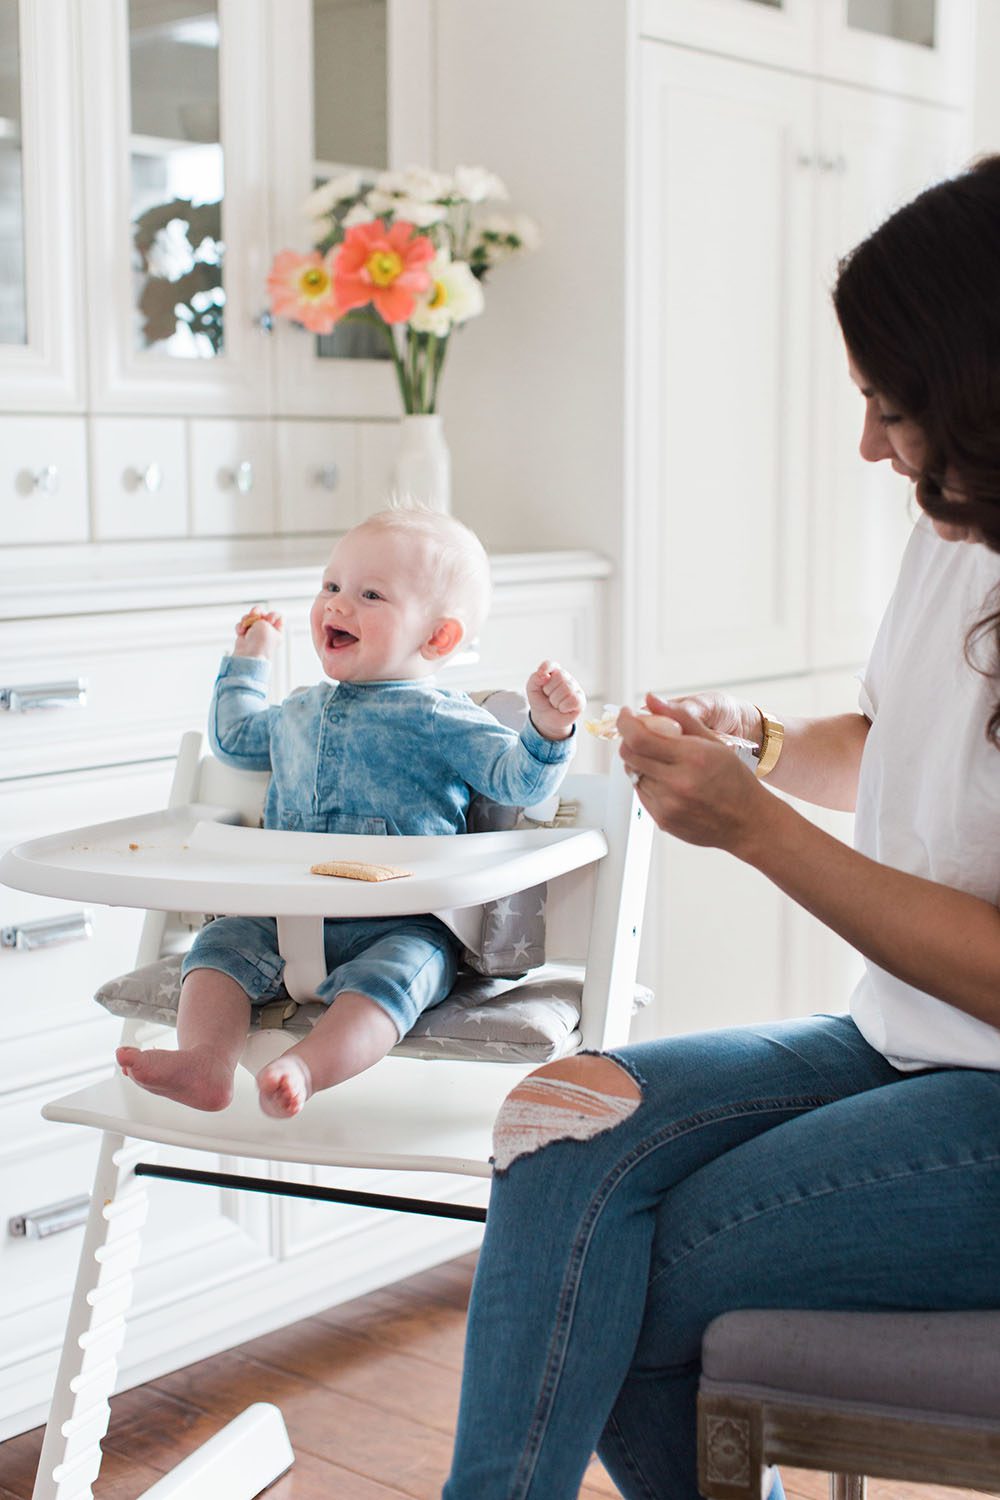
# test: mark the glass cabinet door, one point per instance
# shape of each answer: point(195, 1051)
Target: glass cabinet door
point(40, 297)
point(352, 92)
point(176, 150)
point(921, 48)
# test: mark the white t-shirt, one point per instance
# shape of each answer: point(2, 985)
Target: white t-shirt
point(929, 790)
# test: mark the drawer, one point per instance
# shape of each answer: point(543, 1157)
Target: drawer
point(49, 1023)
point(149, 677)
point(138, 477)
point(43, 479)
point(317, 477)
point(232, 478)
point(41, 1164)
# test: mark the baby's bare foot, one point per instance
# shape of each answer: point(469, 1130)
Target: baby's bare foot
point(285, 1085)
point(196, 1077)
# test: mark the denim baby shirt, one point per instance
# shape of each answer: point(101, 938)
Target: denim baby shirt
point(380, 757)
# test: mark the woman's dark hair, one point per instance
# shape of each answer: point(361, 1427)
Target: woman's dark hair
point(919, 307)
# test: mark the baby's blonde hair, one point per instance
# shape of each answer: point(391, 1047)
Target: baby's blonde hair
point(458, 559)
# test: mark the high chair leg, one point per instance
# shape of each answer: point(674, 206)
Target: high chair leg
point(78, 1418)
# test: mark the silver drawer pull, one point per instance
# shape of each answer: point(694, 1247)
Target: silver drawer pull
point(46, 480)
point(239, 478)
point(41, 1222)
point(31, 695)
point(327, 476)
point(48, 932)
point(148, 478)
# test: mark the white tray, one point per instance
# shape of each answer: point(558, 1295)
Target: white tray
point(193, 858)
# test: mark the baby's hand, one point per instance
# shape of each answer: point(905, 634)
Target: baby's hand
point(257, 633)
point(556, 701)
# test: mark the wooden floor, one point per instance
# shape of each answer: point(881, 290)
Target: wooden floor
point(368, 1390)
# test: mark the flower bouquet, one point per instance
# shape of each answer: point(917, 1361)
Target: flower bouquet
point(407, 253)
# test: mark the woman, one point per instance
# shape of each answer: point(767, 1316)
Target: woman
point(845, 1162)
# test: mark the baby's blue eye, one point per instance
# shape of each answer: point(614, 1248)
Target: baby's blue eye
point(332, 588)
point(371, 594)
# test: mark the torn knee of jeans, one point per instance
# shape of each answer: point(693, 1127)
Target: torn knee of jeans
point(569, 1100)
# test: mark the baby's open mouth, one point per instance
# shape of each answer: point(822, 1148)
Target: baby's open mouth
point(336, 639)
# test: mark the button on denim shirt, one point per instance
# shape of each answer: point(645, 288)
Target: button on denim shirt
point(380, 757)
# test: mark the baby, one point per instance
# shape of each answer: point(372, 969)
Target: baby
point(380, 749)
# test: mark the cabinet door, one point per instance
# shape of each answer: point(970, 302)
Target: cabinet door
point(352, 88)
point(918, 47)
point(722, 334)
point(176, 171)
point(875, 153)
point(41, 301)
point(722, 946)
point(780, 32)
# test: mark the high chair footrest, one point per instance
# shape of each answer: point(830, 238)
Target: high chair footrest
point(404, 1114)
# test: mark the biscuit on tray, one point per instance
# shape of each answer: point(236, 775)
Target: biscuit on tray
point(349, 869)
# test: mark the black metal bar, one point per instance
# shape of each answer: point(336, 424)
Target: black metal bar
point(307, 1190)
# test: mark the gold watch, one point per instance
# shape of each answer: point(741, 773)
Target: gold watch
point(771, 742)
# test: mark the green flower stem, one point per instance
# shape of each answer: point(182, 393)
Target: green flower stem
point(405, 389)
point(440, 350)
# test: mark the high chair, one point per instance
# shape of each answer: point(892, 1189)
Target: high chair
point(429, 1108)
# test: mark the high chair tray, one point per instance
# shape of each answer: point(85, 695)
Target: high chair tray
point(195, 858)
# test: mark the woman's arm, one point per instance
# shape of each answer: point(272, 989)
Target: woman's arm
point(820, 758)
point(931, 936)
point(938, 939)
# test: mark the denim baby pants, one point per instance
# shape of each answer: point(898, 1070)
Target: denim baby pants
point(404, 964)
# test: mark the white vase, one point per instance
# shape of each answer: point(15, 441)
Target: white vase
point(422, 470)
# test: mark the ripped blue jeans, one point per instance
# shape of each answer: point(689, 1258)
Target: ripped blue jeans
point(784, 1165)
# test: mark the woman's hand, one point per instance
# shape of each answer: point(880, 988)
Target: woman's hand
point(689, 781)
point(258, 633)
point(719, 711)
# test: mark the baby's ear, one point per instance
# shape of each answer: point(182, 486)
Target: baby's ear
point(445, 638)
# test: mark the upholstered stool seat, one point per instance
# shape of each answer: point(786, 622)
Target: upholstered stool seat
point(905, 1395)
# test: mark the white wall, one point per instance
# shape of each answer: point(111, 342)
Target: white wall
point(539, 378)
point(986, 106)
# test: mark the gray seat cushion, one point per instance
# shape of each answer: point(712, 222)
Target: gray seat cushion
point(939, 1365)
point(531, 1020)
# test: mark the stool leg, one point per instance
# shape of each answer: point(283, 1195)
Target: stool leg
point(78, 1417)
point(847, 1487)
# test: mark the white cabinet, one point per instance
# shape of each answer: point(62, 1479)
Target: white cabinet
point(874, 154)
point(726, 947)
point(751, 184)
point(920, 48)
point(723, 354)
point(41, 286)
point(184, 138)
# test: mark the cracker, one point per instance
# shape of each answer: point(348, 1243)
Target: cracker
point(349, 869)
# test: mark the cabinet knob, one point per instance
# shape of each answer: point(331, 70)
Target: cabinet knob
point(46, 480)
point(28, 696)
point(327, 476)
point(836, 163)
point(48, 932)
point(149, 478)
point(239, 478)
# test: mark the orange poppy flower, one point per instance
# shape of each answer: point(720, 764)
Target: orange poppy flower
point(387, 267)
point(301, 288)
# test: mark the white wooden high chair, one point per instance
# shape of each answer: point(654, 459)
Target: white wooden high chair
point(205, 853)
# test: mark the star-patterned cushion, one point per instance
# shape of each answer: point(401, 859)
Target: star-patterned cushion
point(499, 1020)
